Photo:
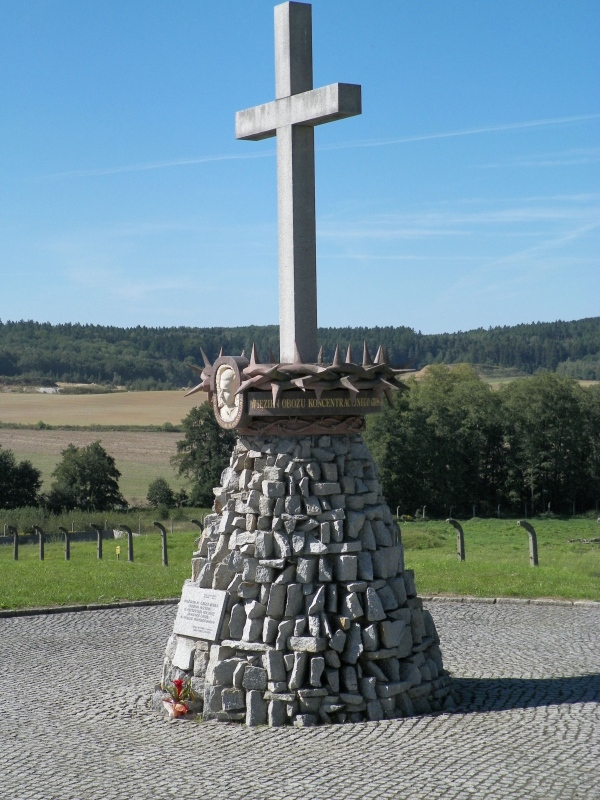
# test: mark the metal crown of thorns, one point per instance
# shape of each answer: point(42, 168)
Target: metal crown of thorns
point(374, 375)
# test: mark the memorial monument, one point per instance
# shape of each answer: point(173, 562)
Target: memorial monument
point(299, 609)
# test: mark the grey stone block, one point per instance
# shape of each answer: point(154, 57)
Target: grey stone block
point(329, 471)
point(281, 545)
point(313, 470)
point(305, 720)
point(409, 582)
point(295, 600)
point(365, 566)
point(312, 505)
point(351, 606)
point(286, 629)
point(277, 715)
point(256, 708)
point(332, 677)
point(317, 666)
point(317, 603)
point(374, 611)
point(264, 574)
point(385, 562)
point(325, 569)
point(306, 570)
point(370, 638)
point(273, 488)
point(354, 522)
point(349, 679)
point(346, 568)
point(233, 699)
point(274, 664)
point(255, 678)
point(354, 646)
point(298, 674)
point(388, 598)
point(374, 710)
point(277, 599)
point(307, 644)
point(367, 688)
point(253, 630)
point(212, 699)
point(263, 545)
point(237, 621)
point(270, 628)
point(323, 489)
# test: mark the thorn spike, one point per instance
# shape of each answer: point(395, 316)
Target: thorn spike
point(205, 358)
point(337, 359)
point(349, 354)
point(379, 357)
point(254, 360)
point(221, 352)
point(320, 356)
point(367, 361)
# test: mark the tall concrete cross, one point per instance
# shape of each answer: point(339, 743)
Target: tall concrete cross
point(292, 117)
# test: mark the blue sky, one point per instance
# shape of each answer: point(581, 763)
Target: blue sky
point(466, 194)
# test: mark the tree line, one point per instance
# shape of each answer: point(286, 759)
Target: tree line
point(451, 442)
point(160, 358)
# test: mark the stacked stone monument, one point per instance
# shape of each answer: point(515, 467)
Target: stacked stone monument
point(300, 609)
point(322, 620)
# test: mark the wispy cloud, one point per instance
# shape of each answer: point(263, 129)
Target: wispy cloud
point(509, 126)
point(182, 162)
point(565, 158)
point(186, 162)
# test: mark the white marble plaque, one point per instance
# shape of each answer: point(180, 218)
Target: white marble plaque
point(200, 612)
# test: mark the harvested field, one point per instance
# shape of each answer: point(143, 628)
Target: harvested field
point(141, 457)
point(119, 408)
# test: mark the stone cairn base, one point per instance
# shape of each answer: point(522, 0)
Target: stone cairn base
point(323, 623)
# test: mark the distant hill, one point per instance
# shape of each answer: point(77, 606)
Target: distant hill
point(154, 358)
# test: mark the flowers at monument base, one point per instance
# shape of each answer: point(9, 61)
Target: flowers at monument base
point(179, 691)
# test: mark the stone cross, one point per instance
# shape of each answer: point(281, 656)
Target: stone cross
point(292, 117)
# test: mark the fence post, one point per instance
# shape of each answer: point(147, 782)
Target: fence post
point(98, 530)
point(533, 550)
point(15, 534)
point(474, 511)
point(460, 538)
point(397, 512)
point(498, 510)
point(163, 533)
point(129, 533)
point(67, 542)
point(40, 534)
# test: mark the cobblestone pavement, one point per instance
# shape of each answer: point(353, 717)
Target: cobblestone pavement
point(75, 722)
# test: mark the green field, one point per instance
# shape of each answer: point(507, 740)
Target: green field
point(497, 559)
point(30, 582)
point(497, 565)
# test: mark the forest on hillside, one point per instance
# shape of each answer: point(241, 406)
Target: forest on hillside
point(155, 358)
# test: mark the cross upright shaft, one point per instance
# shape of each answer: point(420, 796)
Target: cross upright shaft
point(292, 117)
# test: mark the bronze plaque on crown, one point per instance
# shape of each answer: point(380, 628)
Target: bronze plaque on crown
point(290, 404)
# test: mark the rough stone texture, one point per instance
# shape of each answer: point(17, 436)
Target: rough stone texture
point(317, 591)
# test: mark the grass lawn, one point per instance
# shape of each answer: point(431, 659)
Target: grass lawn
point(497, 564)
point(497, 559)
point(30, 582)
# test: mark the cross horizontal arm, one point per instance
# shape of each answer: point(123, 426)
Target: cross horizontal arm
point(336, 101)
